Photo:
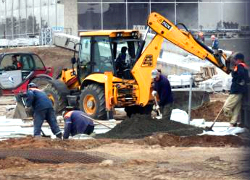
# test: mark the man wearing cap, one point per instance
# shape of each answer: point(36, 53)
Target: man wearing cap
point(42, 110)
point(162, 87)
point(215, 44)
point(77, 122)
point(238, 88)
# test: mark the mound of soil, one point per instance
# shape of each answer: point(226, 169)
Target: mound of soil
point(209, 111)
point(166, 140)
point(45, 143)
point(139, 126)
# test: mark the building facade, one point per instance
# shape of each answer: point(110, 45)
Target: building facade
point(22, 18)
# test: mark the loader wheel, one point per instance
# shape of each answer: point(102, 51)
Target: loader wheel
point(92, 101)
point(58, 99)
point(41, 82)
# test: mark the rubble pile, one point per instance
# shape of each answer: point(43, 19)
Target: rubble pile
point(139, 126)
point(209, 111)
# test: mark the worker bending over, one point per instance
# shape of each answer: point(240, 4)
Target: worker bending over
point(162, 87)
point(238, 88)
point(76, 122)
point(42, 110)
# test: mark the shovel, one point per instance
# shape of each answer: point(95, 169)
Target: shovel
point(158, 110)
point(210, 128)
point(96, 121)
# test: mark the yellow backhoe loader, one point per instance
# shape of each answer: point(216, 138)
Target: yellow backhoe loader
point(97, 83)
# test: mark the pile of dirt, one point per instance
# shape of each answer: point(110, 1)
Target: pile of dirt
point(209, 111)
point(139, 126)
point(45, 143)
point(166, 140)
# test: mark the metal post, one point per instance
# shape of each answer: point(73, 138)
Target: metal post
point(190, 99)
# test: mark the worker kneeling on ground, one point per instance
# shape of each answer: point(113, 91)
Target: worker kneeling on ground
point(76, 122)
point(162, 87)
point(42, 110)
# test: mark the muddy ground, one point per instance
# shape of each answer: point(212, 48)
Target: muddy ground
point(141, 152)
point(158, 157)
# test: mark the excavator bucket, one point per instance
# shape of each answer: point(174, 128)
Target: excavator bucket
point(10, 108)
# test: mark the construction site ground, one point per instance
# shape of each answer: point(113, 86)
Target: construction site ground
point(154, 152)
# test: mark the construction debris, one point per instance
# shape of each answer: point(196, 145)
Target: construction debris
point(139, 126)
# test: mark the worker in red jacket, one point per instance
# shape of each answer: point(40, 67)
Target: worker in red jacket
point(238, 88)
point(77, 122)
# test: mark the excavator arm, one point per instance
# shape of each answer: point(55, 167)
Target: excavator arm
point(147, 59)
point(186, 41)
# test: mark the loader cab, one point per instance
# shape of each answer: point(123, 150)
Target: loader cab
point(99, 53)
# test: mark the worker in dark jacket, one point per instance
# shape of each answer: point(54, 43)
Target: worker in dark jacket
point(76, 122)
point(238, 88)
point(162, 87)
point(42, 110)
point(215, 44)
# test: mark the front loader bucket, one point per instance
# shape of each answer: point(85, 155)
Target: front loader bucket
point(11, 109)
point(20, 112)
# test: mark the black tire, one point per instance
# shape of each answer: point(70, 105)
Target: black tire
point(94, 95)
point(41, 82)
point(130, 110)
point(57, 92)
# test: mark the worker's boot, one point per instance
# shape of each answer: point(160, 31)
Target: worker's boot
point(59, 135)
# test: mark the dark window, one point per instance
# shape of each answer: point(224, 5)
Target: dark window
point(137, 15)
point(114, 16)
point(89, 16)
point(187, 13)
point(138, 0)
point(162, 0)
point(165, 9)
point(38, 63)
point(89, 0)
point(186, 0)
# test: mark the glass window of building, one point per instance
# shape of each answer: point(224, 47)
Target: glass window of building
point(137, 15)
point(15, 20)
point(44, 14)
point(2, 19)
point(90, 1)
point(210, 16)
point(37, 18)
point(236, 19)
point(114, 15)
point(9, 25)
point(165, 9)
point(161, 1)
point(248, 13)
point(186, 1)
point(187, 13)
point(52, 14)
point(90, 16)
point(138, 0)
point(23, 19)
point(30, 17)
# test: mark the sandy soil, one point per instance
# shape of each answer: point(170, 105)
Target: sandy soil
point(128, 160)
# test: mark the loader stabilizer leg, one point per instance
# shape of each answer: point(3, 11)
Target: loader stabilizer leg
point(109, 93)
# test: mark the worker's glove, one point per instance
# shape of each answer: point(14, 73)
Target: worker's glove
point(154, 93)
point(157, 107)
